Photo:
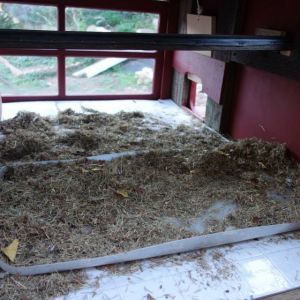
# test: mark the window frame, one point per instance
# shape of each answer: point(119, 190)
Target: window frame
point(163, 59)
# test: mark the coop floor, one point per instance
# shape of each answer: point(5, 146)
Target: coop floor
point(166, 110)
point(242, 271)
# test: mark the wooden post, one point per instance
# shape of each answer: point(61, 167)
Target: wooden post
point(230, 22)
point(180, 88)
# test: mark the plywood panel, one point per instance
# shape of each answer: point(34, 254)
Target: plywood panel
point(209, 70)
point(198, 24)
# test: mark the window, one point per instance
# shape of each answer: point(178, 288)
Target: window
point(96, 20)
point(28, 75)
point(64, 74)
point(24, 16)
point(110, 75)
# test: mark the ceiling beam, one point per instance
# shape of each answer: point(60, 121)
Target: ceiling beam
point(34, 39)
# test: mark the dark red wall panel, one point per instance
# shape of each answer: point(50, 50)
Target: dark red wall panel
point(266, 105)
point(280, 14)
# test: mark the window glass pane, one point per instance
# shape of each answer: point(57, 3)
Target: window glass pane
point(28, 76)
point(23, 16)
point(96, 20)
point(109, 76)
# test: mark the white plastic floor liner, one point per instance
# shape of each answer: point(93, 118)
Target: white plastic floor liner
point(174, 247)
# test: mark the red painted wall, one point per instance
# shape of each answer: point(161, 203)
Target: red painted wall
point(266, 105)
point(279, 14)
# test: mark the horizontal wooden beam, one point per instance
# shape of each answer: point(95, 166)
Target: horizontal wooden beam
point(34, 39)
point(293, 294)
point(273, 62)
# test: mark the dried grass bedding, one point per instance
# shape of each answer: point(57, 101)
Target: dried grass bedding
point(88, 209)
point(29, 136)
point(40, 287)
point(82, 209)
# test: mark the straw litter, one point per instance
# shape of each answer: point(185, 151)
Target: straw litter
point(88, 209)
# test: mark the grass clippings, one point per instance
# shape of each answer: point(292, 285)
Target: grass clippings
point(40, 287)
point(73, 211)
point(23, 143)
point(29, 136)
point(26, 120)
point(246, 155)
point(63, 212)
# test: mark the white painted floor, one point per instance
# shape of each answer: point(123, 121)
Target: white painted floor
point(239, 272)
point(165, 110)
point(243, 271)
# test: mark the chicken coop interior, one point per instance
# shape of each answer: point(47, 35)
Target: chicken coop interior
point(149, 149)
